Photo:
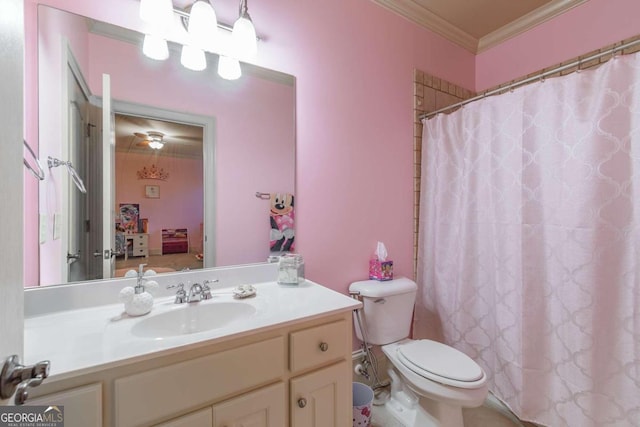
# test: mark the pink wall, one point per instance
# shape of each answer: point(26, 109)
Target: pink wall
point(354, 120)
point(180, 203)
point(354, 61)
point(591, 26)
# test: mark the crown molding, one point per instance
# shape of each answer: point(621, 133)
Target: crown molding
point(429, 20)
point(527, 22)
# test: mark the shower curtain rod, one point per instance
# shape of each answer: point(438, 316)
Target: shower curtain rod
point(538, 76)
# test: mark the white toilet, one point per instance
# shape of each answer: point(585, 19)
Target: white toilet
point(431, 382)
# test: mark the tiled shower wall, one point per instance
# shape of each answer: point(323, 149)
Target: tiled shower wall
point(432, 93)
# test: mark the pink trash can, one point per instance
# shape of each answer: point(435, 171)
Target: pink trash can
point(362, 404)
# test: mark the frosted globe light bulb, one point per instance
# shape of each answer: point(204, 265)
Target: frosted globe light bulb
point(245, 45)
point(229, 68)
point(193, 58)
point(203, 24)
point(155, 47)
point(157, 12)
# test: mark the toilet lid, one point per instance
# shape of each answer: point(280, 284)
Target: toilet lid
point(429, 358)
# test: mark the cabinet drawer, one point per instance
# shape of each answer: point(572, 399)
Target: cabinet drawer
point(159, 393)
point(82, 405)
point(139, 251)
point(140, 240)
point(202, 418)
point(318, 345)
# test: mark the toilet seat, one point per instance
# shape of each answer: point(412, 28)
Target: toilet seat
point(441, 363)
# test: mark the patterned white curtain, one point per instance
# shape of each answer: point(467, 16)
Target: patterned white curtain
point(529, 248)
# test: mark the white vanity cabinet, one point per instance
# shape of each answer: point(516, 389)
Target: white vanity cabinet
point(201, 418)
point(322, 397)
point(263, 408)
point(82, 405)
point(294, 374)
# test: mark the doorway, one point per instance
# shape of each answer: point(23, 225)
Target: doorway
point(159, 194)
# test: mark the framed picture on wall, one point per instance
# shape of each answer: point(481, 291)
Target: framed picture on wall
point(129, 216)
point(152, 191)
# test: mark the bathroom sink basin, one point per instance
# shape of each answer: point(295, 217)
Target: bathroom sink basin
point(192, 318)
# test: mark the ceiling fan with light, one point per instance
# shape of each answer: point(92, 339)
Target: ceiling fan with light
point(153, 139)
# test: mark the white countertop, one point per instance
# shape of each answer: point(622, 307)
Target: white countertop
point(88, 339)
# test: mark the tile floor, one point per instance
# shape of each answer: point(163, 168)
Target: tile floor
point(477, 417)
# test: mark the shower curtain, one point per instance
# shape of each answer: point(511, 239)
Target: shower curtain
point(529, 244)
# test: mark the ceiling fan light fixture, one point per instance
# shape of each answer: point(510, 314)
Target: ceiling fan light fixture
point(155, 140)
point(156, 145)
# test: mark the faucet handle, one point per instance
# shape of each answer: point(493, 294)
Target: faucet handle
point(206, 290)
point(181, 295)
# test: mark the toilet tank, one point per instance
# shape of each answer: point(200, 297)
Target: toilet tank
point(387, 309)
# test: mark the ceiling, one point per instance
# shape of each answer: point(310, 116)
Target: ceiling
point(478, 25)
point(180, 140)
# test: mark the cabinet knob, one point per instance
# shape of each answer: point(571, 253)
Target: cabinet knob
point(324, 346)
point(302, 402)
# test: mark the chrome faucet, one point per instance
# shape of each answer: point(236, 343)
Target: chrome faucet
point(181, 295)
point(206, 290)
point(195, 293)
point(139, 288)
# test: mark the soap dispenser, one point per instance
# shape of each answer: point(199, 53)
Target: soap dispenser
point(137, 301)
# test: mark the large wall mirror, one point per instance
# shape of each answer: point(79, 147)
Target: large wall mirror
point(190, 203)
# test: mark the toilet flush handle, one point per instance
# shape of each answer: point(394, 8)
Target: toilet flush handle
point(380, 301)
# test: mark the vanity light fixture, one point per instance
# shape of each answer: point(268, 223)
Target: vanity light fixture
point(229, 68)
point(203, 25)
point(155, 47)
point(203, 31)
point(193, 58)
point(157, 12)
point(245, 45)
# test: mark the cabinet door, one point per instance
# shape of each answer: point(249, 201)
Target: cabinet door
point(200, 418)
point(82, 405)
point(261, 408)
point(322, 398)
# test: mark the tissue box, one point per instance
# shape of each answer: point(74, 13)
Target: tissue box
point(380, 270)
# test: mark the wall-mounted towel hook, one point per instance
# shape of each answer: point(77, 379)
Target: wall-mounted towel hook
point(40, 172)
point(263, 196)
point(54, 163)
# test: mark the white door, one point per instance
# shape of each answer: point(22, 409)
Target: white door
point(108, 180)
point(12, 172)
point(77, 239)
point(94, 189)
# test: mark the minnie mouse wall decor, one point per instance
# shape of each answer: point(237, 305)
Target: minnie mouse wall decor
point(281, 216)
